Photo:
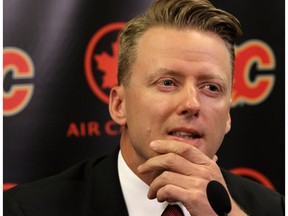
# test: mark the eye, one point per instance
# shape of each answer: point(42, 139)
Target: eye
point(167, 82)
point(212, 88)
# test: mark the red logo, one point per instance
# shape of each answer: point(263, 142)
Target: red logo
point(253, 174)
point(101, 63)
point(18, 96)
point(250, 86)
point(7, 186)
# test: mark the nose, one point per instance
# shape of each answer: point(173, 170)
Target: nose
point(189, 104)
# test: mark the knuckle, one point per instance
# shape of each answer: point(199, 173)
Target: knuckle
point(186, 150)
point(171, 158)
point(206, 175)
point(203, 174)
point(165, 175)
point(167, 190)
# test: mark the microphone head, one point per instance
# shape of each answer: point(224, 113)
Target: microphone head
point(218, 198)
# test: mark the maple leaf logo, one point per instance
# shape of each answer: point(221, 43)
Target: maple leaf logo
point(107, 64)
point(101, 67)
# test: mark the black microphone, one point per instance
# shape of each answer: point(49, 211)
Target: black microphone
point(218, 198)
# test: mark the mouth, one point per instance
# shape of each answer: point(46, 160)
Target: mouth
point(185, 135)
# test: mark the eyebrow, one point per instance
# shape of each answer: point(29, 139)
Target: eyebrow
point(212, 76)
point(165, 72)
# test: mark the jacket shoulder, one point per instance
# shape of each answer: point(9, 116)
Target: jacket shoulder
point(66, 190)
point(254, 197)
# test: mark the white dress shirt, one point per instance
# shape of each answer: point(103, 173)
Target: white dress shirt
point(135, 193)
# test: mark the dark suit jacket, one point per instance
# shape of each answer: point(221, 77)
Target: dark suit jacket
point(92, 187)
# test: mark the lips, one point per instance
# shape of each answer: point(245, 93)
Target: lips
point(185, 135)
point(190, 136)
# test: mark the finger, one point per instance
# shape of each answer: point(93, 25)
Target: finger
point(170, 193)
point(171, 162)
point(185, 150)
point(215, 158)
point(171, 178)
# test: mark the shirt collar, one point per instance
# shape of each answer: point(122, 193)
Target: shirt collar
point(135, 193)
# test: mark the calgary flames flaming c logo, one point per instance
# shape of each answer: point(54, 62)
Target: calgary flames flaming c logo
point(20, 65)
point(245, 90)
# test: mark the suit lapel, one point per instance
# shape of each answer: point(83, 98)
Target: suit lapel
point(106, 190)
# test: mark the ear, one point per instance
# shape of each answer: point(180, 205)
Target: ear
point(228, 124)
point(117, 105)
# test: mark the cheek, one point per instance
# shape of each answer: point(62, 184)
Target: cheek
point(149, 120)
point(221, 118)
point(139, 111)
point(219, 112)
point(147, 104)
point(217, 118)
point(217, 125)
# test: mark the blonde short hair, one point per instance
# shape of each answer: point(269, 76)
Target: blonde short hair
point(194, 14)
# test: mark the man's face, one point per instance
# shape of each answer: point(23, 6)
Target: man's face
point(180, 89)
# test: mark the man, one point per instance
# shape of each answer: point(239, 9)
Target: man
point(175, 77)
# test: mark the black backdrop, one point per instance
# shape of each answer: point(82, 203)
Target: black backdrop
point(59, 61)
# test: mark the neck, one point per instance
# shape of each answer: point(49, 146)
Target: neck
point(133, 160)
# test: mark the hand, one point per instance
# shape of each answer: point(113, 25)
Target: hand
point(184, 172)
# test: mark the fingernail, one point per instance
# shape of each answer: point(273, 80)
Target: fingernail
point(139, 169)
point(154, 144)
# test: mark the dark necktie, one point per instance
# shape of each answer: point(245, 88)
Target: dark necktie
point(172, 210)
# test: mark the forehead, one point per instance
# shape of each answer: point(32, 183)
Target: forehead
point(183, 39)
point(169, 45)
